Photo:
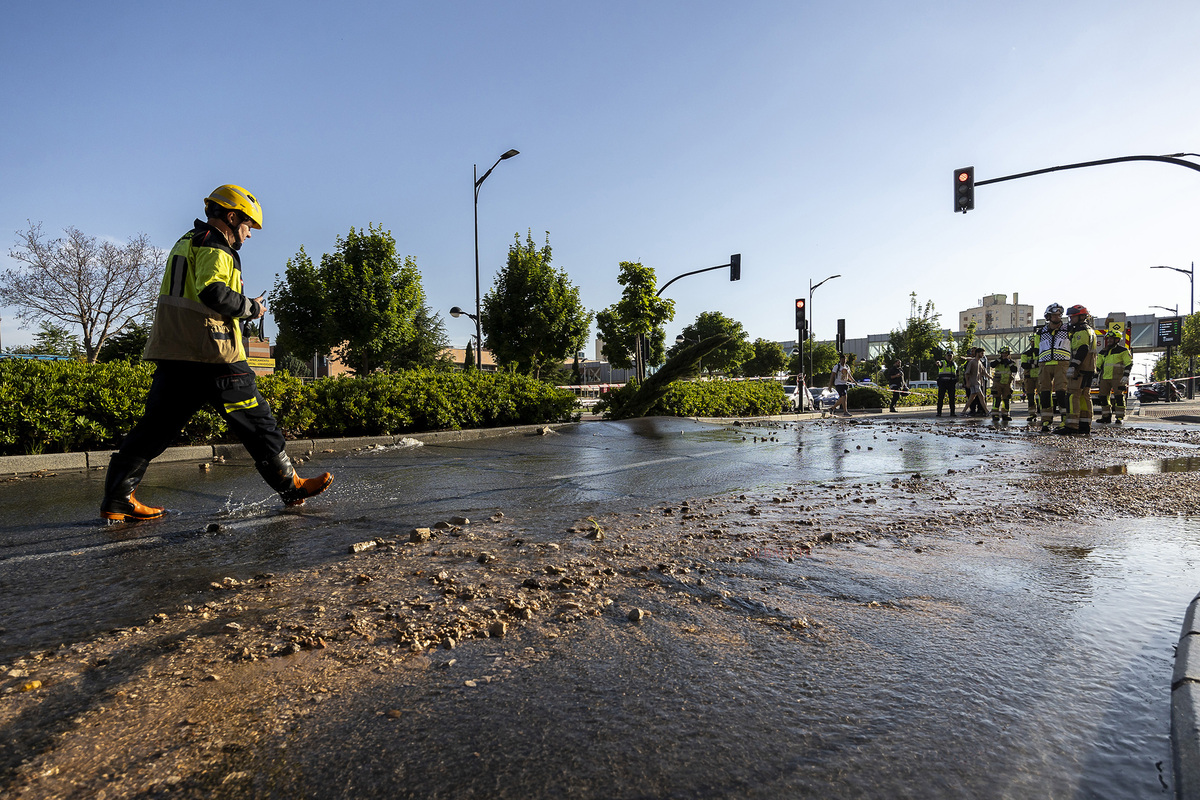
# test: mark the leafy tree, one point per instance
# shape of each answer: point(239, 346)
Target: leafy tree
point(918, 345)
point(639, 312)
point(127, 345)
point(469, 357)
point(768, 359)
point(967, 342)
point(79, 280)
point(50, 340)
point(1190, 346)
point(824, 357)
point(298, 304)
point(364, 302)
point(730, 356)
point(293, 366)
point(532, 317)
point(1178, 367)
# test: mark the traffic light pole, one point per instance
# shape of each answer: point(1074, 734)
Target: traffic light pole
point(735, 274)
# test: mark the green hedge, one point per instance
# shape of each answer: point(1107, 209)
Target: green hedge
point(706, 399)
point(65, 406)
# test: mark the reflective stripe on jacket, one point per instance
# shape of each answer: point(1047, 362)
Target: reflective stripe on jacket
point(200, 303)
point(1083, 347)
point(1053, 344)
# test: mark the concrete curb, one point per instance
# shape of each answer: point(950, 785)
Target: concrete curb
point(1185, 707)
point(18, 466)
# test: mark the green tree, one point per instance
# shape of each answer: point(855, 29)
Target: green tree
point(919, 343)
point(364, 303)
point(639, 312)
point(299, 306)
point(730, 356)
point(768, 359)
point(967, 342)
point(50, 340)
point(1190, 346)
point(824, 357)
point(532, 317)
point(293, 366)
point(127, 345)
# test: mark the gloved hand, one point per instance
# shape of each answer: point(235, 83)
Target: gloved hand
point(1071, 372)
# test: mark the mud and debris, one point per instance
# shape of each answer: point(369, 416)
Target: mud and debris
point(204, 699)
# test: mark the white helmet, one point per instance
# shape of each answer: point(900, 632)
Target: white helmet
point(1053, 308)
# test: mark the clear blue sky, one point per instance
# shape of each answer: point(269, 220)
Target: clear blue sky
point(812, 137)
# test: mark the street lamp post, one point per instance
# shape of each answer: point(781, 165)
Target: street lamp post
point(808, 312)
point(1191, 273)
point(478, 312)
point(457, 312)
point(1175, 313)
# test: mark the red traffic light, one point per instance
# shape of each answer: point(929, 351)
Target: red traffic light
point(964, 176)
point(800, 303)
point(964, 189)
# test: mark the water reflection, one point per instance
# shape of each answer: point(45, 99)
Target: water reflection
point(1149, 467)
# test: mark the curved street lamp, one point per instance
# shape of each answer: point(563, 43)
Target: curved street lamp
point(808, 311)
point(479, 182)
point(457, 312)
point(1191, 273)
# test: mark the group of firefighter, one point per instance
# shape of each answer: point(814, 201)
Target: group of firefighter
point(1056, 373)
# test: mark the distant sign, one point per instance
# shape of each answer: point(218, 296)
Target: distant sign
point(1170, 332)
point(261, 362)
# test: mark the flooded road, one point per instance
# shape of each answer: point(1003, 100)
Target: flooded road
point(964, 642)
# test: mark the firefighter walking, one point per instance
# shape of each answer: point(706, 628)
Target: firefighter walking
point(1029, 377)
point(198, 346)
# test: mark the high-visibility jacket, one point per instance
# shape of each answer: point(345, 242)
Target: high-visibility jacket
point(1054, 344)
point(1083, 347)
point(1003, 372)
point(1029, 362)
point(1113, 362)
point(200, 303)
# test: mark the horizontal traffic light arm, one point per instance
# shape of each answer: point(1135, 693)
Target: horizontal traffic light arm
point(1166, 159)
point(737, 257)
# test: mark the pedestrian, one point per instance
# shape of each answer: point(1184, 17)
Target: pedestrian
point(947, 383)
point(841, 380)
point(1029, 377)
point(1081, 369)
point(973, 380)
point(197, 344)
point(1054, 351)
point(895, 380)
point(1113, 364)
point(1004, 370)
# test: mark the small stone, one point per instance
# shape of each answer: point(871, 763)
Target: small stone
point(394, 713)
point(359, 547)
point(212, 677)
point(30, 686)
point(213, 527)
point(637, 615)
point(205, 467)
point(232, 627)
point(419, 535)
point(448, 643)
point(464, 521)
point(498, 629)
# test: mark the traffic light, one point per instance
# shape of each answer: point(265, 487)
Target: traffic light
point(964, 189)
point(800, 314)
point(735, 267)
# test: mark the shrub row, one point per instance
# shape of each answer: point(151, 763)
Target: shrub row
point(705, 399)
point(64, 406)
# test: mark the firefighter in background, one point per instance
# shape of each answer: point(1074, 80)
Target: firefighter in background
point(1004, 370)
point(1054, 352)
point(1081, 369)
point(197, 344)
point(1113, 364)
point(1029, 376)
point(947, 382)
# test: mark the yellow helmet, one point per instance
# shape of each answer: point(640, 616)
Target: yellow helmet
point(235, 198)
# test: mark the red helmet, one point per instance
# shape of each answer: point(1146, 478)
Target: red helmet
point(1077, 311)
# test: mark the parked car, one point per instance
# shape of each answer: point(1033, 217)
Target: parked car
point(823, 398)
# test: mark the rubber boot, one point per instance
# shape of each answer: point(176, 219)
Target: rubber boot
point(1085, 428)
point(119, 504)
point(281, 476)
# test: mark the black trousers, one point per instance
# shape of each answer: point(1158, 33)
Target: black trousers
point(181, 388)
point(946, 390)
